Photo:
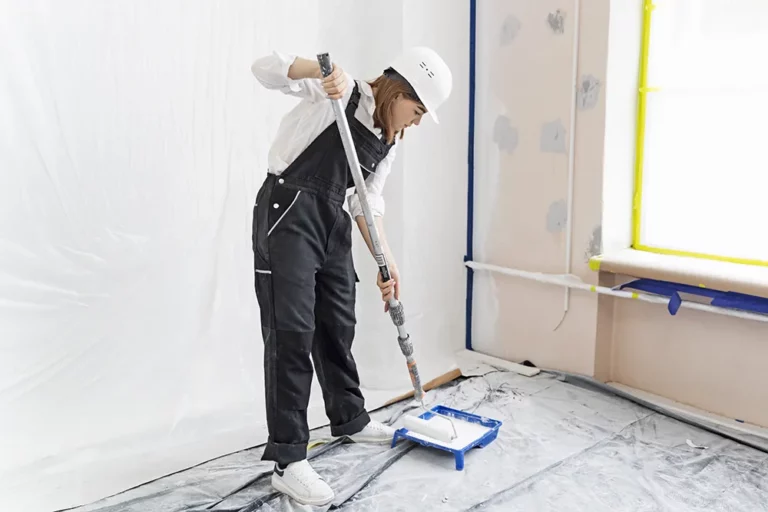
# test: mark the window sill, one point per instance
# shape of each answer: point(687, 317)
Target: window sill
point(716, 275)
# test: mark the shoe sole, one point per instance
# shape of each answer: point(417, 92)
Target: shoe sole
point(372, 440)
point(277, 483)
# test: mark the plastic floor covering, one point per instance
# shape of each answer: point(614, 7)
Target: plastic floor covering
point(562, 447)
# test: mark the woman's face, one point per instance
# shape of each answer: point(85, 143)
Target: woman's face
point(405, 113)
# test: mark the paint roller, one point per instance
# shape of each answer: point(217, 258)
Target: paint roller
point(430, 428)
point(436, 430)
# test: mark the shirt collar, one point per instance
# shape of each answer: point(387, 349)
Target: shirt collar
point(366, 90)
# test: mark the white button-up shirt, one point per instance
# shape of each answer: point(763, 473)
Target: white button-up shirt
point(313, 115)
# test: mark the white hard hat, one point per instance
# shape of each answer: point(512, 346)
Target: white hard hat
point(428, 74)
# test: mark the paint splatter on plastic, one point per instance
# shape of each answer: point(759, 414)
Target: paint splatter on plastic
point(589, 92)
point(557, 216)
point(553, 137)
point(556, 21)
point(595, 245)
point(509, 30)
point(505, 135)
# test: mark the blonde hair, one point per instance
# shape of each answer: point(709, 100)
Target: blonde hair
point(387, 90)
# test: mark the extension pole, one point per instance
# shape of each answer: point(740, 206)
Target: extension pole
point(395, 306)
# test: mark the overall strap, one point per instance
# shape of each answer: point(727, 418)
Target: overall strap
point(354, 100)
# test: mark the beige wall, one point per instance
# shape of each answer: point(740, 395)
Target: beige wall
point(709, 361)
point(530, 82)
point(712, 362)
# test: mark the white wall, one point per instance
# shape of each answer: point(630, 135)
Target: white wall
point(134, 141)
point(435, 191)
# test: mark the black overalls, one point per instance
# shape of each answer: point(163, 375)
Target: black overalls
point(305, 284)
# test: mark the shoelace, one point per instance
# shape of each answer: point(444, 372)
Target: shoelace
point(306, 475)
point(377, 427)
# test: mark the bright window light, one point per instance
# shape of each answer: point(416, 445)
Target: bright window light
point(704, 187)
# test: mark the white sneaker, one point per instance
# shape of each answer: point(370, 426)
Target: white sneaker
point(374, 432)
point(302, 483)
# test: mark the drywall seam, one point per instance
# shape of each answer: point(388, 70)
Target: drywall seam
point(572, 151)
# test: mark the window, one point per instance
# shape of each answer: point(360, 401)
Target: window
point(701, 186)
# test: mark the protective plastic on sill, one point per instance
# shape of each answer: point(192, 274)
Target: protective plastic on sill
point(572, 281)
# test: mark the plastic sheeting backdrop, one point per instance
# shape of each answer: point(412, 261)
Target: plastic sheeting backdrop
point(134, 139)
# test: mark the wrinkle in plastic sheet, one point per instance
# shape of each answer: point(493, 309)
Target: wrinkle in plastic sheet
point(562, 447)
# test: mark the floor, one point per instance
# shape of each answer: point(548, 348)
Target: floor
point(561, 447)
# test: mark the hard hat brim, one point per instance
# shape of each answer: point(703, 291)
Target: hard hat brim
point(429, 108)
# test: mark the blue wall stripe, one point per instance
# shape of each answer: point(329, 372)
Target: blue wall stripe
point(470, 169)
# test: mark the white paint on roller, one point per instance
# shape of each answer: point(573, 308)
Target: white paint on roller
point(466, 432)
point(440, 430)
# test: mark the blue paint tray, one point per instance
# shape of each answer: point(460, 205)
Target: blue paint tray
point(470, 436)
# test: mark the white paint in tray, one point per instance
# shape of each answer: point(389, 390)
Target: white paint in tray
point(466, 432)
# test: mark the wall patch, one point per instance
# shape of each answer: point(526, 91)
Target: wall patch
point(556, 21)
point(505, 135)
point(595, 246)
point(557, 216)
point(509, 30)
point(589, 92)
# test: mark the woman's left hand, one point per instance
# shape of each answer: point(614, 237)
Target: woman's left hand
point(390, 288)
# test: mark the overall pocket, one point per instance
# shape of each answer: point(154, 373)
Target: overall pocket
point(282, 200)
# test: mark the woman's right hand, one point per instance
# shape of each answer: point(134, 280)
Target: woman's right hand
point(334, 84)
point(389, 289)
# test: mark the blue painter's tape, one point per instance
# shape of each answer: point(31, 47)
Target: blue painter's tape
point(470, 172)
point(731, 300)
point(674, 303)
point(735, 300)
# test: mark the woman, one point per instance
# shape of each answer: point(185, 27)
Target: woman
point(305, 278)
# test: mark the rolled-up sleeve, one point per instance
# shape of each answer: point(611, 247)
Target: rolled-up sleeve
point(375, 185)
point(272, 72)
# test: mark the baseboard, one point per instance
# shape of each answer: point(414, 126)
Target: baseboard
point(699, 415)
